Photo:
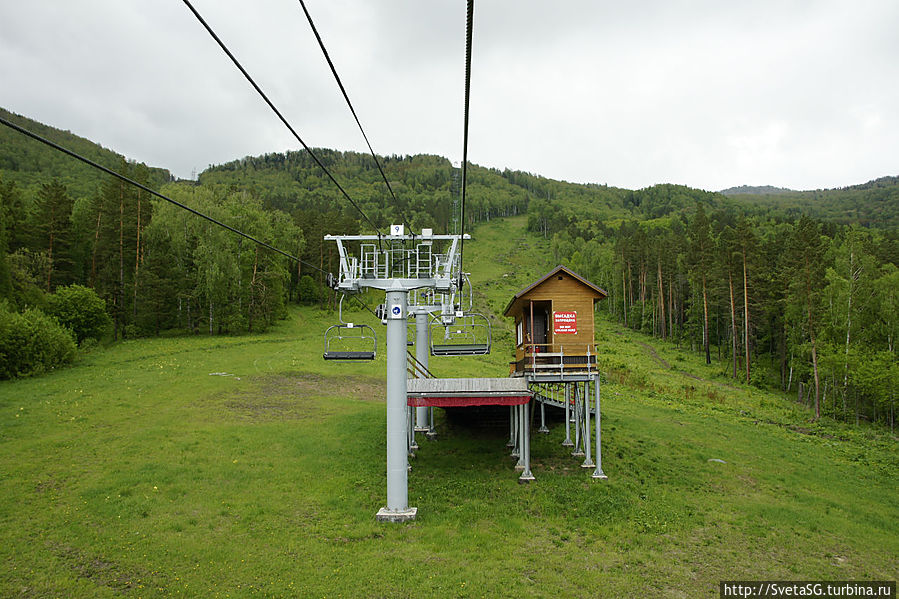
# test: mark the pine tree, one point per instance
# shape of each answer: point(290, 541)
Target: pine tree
point(727, 243)
point(747, 245)
point(51, 226)
point(5, 218)
point(700, 257)
point(805, 262)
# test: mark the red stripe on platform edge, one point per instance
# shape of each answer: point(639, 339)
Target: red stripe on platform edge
point(463, 402)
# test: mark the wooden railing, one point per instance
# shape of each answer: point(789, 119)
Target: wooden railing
point(539, 358)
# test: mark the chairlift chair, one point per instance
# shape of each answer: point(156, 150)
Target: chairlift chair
point(467, 335)
point(349, 340)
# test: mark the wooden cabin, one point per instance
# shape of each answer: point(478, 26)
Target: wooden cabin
point(554, 328)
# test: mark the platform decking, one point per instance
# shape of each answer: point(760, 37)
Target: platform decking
point(446, 393)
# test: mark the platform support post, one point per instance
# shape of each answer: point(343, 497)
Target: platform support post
point(397, 509)
point(542, 428)
point(410, 430)
point(511, 442)
point(518, 450)
point(422, 353)
point(578, 421)
point(598, 473)
point(431, 432)
point(567, 442)
point(588, 458)
point(525, 444)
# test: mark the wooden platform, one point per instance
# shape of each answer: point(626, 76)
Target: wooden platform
point(448, 393)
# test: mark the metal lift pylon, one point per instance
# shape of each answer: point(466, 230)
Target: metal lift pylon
point(398, 270)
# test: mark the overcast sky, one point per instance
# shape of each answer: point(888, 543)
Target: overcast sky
point(708, 93)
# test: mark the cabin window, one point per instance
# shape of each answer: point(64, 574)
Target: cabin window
point(519, 332)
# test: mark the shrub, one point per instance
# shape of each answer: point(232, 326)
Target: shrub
point(81, 310)
point(32, 343)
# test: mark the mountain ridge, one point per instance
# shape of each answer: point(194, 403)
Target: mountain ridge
point(277, 177)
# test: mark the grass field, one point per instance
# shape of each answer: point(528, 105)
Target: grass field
point(248, 466)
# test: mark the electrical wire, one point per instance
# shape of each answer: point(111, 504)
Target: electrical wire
point(468, 32)
point(277, 112)
point(350, 105)
point(121, 177)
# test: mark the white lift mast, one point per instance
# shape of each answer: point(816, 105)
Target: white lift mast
point(398, 264)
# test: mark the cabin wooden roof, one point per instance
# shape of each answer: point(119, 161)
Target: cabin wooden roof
point(597, 292)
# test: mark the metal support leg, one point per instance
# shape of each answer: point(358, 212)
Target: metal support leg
point(422, 352)
point(397, 509)
point(511, 442)
point(518, 451)
point(598, 473)
point(526, 475)
point(588, 459)
point(542, 428)
point(431, 431)
point(410, 428)
point(578, 423)
point(567, 442)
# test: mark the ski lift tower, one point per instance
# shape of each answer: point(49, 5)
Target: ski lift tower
point(397, 264)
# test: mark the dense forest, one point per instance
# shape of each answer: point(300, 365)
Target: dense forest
point(810, 304)
point(871, 204)
point(798, 290)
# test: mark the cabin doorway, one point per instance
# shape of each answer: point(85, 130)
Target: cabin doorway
point(539, 336)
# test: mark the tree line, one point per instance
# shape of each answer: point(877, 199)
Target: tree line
point(808, 306)
point(776, 292)
point(156, 266)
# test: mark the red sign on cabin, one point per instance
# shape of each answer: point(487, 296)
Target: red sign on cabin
point(564, 323)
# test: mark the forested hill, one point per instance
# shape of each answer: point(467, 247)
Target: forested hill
point(780, 288)
point(30, 164)
point(872, 204)
point(756, 190)
point(424, 186)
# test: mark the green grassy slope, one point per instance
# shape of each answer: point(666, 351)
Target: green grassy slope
point(248, 466)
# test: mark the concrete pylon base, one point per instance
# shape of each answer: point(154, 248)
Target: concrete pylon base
point(588, 463)
point(385, 515)
point(599, 475)
point(577, 454)
point(422, 429)
point(567, 443)
point(525, 478)
point(543, 429)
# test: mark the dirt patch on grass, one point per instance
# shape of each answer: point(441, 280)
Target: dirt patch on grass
point(305, 384)
point(295, 396)
point(103, 572)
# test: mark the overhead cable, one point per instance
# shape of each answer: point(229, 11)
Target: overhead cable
point(468, 31)
point(350, 105)
point(121, 177)
point(277, 112)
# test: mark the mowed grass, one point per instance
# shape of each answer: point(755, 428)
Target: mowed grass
point(248, 466)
